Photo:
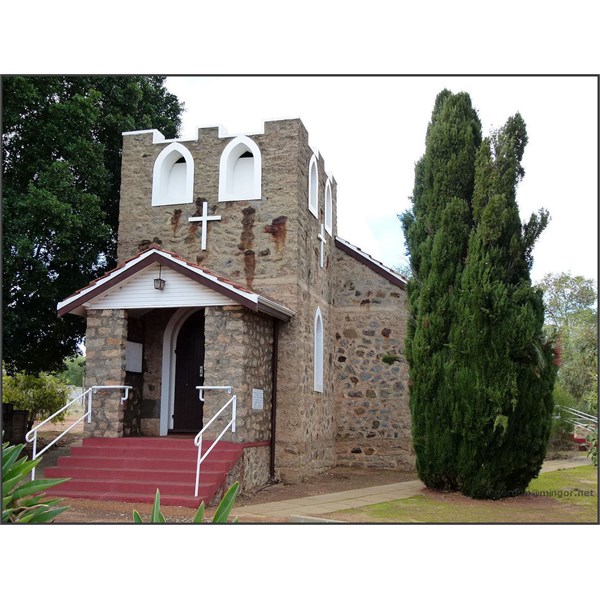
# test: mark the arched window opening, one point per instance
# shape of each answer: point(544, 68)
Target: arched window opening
point(240, 171)
point(176, 180)
point(318, 352)
point(243, 173)
point(173, 178)
point(328, 208)
point(313, 187)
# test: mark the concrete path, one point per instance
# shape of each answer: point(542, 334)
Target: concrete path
point(307, 510)
point(299, 509)
point(567, 463)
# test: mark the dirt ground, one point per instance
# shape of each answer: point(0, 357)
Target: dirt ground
point(335, 480)
point(95, 511)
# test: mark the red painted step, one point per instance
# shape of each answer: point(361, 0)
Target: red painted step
point(185, 501)
point(99, 462)
point(132, 469)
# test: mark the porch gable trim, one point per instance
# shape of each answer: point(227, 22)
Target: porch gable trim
point(245, 298)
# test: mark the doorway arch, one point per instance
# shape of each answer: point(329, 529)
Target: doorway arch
point(167, 393)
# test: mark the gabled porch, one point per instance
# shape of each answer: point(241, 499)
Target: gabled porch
point(164, 327)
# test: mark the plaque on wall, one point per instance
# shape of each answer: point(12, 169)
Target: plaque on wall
point(133, 357)
point(257, 399)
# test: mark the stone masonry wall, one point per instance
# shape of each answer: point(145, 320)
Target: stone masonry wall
point(106, 336)
point(254, 240)
point(239, 348)
point(371, 397)
point(268, 245)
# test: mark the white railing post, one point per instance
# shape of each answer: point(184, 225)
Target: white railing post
point(233, 413)
point(32, 434)
point(198, 463)
point(198, 438)
point(34, 454)
point(89, 411)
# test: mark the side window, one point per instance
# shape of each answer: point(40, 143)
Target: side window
point(328, 208)
point(173, 176)
point(240, 171)
point(313, 187)
point(318, 352)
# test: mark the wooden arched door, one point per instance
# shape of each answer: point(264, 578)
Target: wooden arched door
point(189, 373)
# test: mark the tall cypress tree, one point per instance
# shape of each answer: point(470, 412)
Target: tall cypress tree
point(481, 372)
point(437, 234)
point(503, 366)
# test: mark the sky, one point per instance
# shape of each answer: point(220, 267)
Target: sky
point(371, 132)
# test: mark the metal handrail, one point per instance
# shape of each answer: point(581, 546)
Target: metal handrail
point(579, 419)
point(32, 433)
point(198, 438)
point(201, 389)
point(578, 416)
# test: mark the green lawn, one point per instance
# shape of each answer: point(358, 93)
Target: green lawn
point(563, 496)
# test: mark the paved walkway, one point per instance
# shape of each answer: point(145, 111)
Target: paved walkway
point(307, 510)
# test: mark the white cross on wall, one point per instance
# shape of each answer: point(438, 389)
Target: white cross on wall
point(204, 219)
point(321, 237)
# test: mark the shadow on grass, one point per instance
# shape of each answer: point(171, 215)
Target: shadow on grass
point(563, 496)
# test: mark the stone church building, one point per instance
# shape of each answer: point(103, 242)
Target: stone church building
point(231, 274)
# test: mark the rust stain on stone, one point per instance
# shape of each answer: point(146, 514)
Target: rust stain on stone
point(175, 219)
point(278, 229)
point(246, 244)
point(247, 237)
point(249, 267)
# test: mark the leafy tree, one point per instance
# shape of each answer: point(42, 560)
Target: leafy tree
point(61, 177)
point(74, 371)
point(481, 370)
point(578, 370)
point(40, 395)
point(572, 314)
point(567, 297)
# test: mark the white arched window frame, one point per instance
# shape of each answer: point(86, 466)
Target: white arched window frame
point(328, 208)
point(240, 178)
point(313, 186)
point(318, 352)
point(172, 181)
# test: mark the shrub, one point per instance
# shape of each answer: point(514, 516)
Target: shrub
point(220, 516)
point(74, 372)
point(22, 501)
point(592, 440)
point(561, 423)
point(40, 395)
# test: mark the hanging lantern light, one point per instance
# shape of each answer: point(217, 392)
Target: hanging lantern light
point(159, 282)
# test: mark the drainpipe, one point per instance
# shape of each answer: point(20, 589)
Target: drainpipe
point(274, 395)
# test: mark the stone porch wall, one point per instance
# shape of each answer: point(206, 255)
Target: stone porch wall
point(239, 349)
point(106, 335)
